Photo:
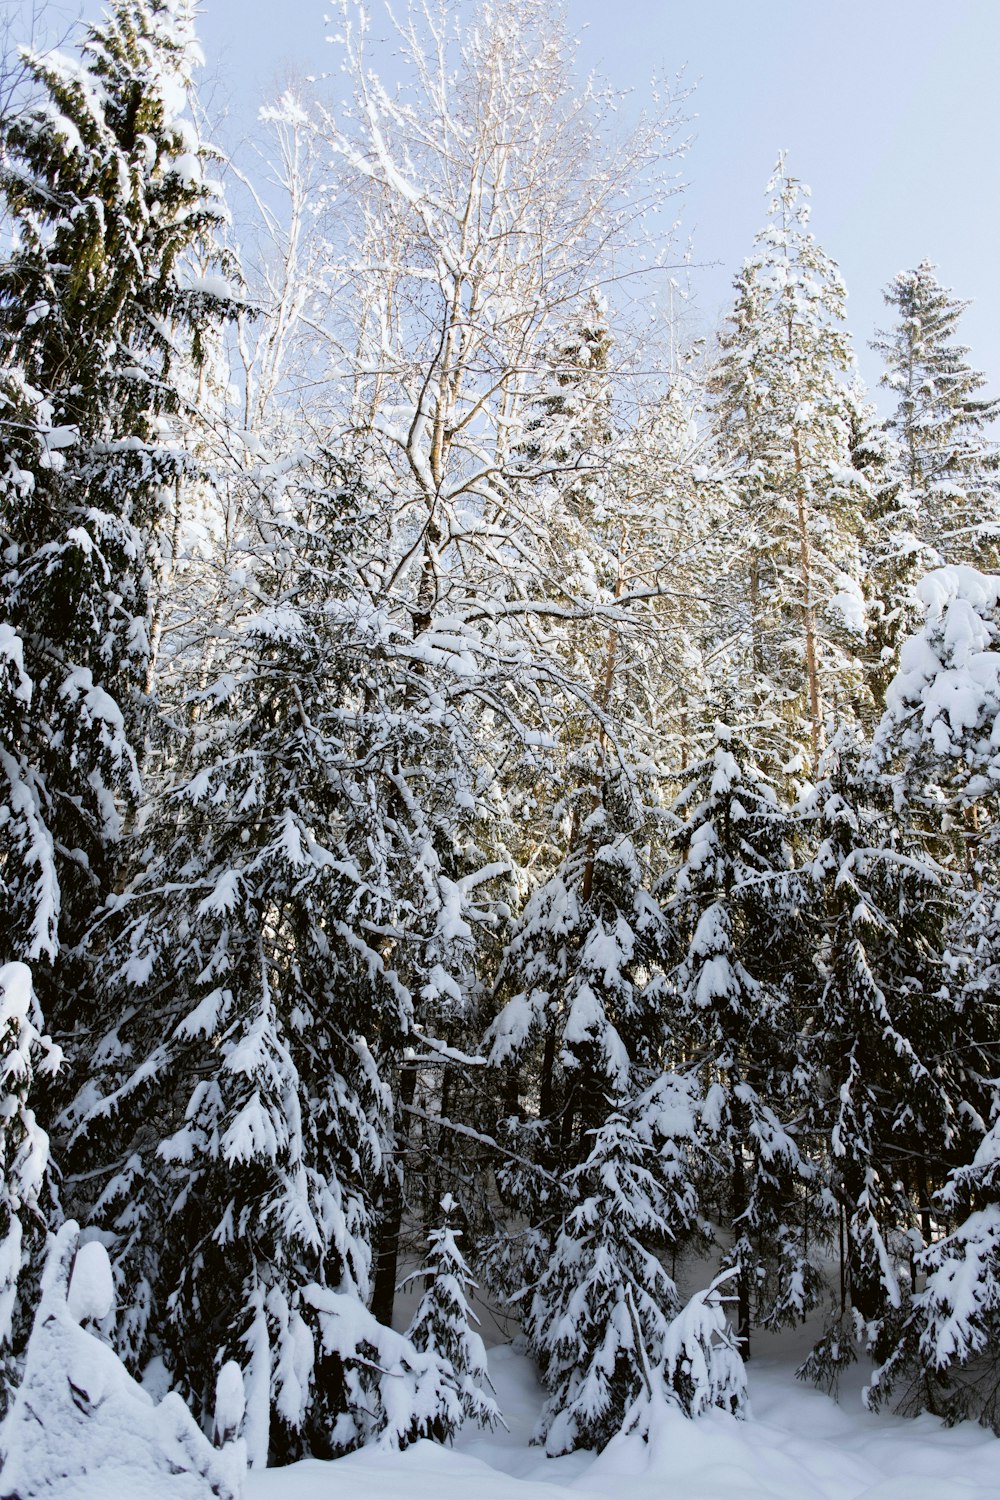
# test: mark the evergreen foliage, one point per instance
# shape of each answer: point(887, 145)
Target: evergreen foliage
point(783, 431)
point(25, 1184)
point(442, 1324)
point(885, 1035)
point(106, 183)
point(939, 739)
point(107, 187)
point(941, 419)
point(702, 1363)
point(256, 1006)
point(601, 1309)
point(894, 557)
point(944, 1357)
point(735, 903)
point(96, 1418)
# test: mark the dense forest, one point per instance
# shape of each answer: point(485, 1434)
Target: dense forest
point(492, 790)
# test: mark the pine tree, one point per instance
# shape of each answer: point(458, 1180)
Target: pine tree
point(599, 1182)
point(733, 901)
point(568, 429)
point(600, 1311)
point(940, 419)
point(25, 1185)
point(582, 957)
point(442, 1323)
point(702, 1363)
point(78, 1413)
point(894, 557)
point(884, 1028)
point(263, 972)
point(937, 738)
point(105, 181)
point(783, 434)
point(938, 743)
point(944, 1354)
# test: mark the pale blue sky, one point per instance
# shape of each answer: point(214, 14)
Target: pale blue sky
point(889, 109)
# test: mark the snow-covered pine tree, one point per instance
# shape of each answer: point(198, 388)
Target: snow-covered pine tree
point(941, 419)
point(582, 959)
point(230, 1165)
point(893, 555)
point(938, 739)
point(78, 1413)
point(783, 436)
point(24, 1160)
point(443, 1323)
point(943, 1358)
point(601, 1170)
point(885, 1103)
point(733, 902)
point(569, 423)
point(938, 742)
point(599, 1183)
point(106, 184)
point(599, 1313)
point(296, 898)
point(106, 190)
point(702, 1362)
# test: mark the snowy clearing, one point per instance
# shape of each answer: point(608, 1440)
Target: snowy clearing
point(798, 1444)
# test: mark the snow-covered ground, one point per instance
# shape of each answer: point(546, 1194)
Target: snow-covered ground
point(797, 1445)
point(81, 1429)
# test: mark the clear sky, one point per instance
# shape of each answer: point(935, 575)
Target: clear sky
point(889, 109)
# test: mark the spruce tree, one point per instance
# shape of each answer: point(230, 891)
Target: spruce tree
point(885, 1101)
point(568, 429)
point(599, 1313)
point(733, 902)
point(783, 437)
point(580, 959)
point(26, 1189)
point(108, 189)
point(941, 419)
point(893, 556)
point(236, 1136)
point(943, 1358)
point(702, 1363)
point(937, 739)
point(109, 195)
point(78, 1413)
point(442, 1323)
point(595, 1170)
point(938, 746)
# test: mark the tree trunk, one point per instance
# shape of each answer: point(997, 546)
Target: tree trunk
point(610, 666)
point(808, 608)
point(739, 1187)
point(843, 1260)
point(756, 643)
point(387, 1255)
